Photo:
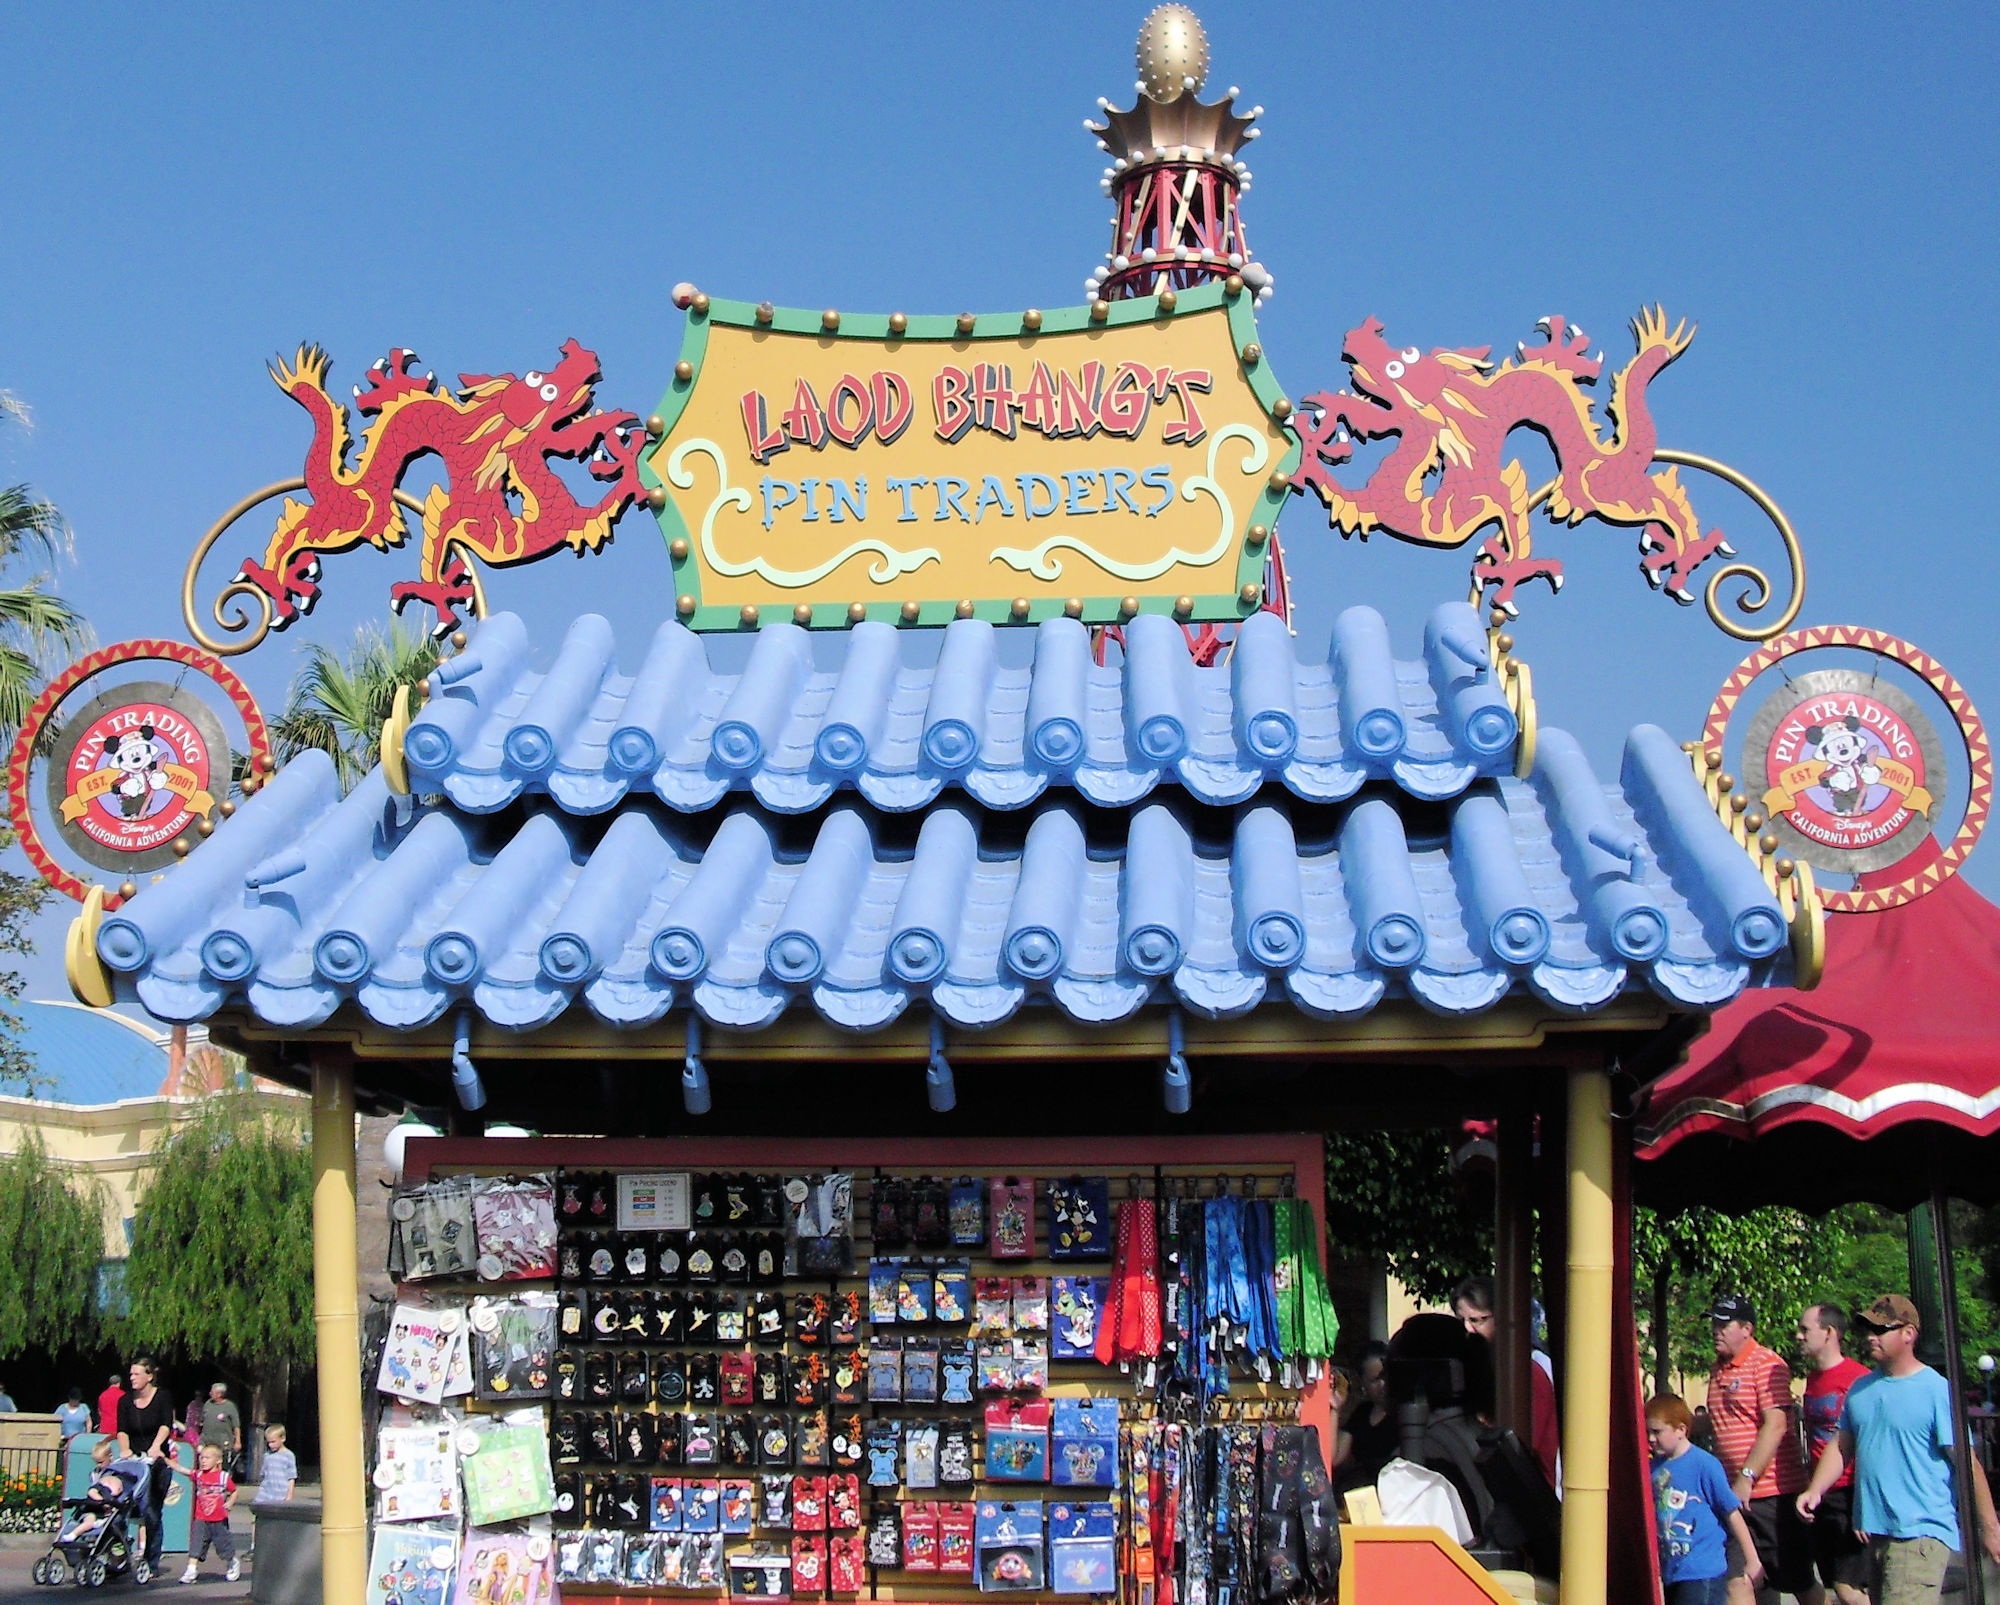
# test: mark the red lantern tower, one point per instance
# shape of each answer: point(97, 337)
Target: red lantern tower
point(1176, 172)
point(1178, 180)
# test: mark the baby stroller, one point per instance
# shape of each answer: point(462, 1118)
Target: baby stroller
point(108, 1548)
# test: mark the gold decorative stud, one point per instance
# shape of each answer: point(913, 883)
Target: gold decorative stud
point(765, 312)
point(182, 847)
point(677, 548)
point(127, 890)
point(226, 808)
point(898, 322)
point(1754, 821)
point(1073, 608)
point(684, 605)
point(1183, 606)
point(1168, 300)
point(1281, 409)
point(1234, 285)
point(248, 786)
point(1128, 606)
point(1257, 535)
point(1505, 643)
point(963, 610)
point(857, 612)
point(829, 320)
point(1099, 311)
point(747, 615)
point(1280, 482)
point(656, 498)
point(656, 426)
point(1726, 782)
point(910, 612)
point(205, 828)
point(1253, 354)
point(683, 371)
point(1513, 668)
point(1497, 618)
point(458, 640)
point(1738, 803)
point(1019, 607)
point(1768, 841)
point(802, 615)
point(965, 322)
point(1250, 594)
point(1031, 320)
point(1784, 867)
point(700, 303)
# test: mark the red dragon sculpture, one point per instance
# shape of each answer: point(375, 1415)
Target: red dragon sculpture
point(501, 501)
point(1448, 476)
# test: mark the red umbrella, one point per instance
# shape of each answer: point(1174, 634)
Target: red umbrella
point(1880, 1083)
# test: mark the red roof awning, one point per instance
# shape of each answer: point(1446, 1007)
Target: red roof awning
point(1862, 1088)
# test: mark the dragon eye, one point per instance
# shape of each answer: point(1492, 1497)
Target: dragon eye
point(1411, 355)
point(532, 380)
point(1393, 369)
point(549, 392)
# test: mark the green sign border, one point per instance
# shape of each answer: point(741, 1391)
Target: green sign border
point(874, 326)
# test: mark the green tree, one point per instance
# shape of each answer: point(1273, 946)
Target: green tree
point(338, 703)
point(36, 627)
point(51, 1242)
point(1391, 1197)
point(221, 1263)
point(21, 897)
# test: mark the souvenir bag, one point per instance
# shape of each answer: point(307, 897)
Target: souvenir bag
point(884, 1444)
point(1073, 1313)
point(666, 1509)
point(955, 1453)
point(966, 1203)
point(764, 1571)
point(956, 1522)
point(1082, 1546)
point(930, 1213)
point(993, 1306)
point(1007, 1541)
point(1083, 1443)
point(431, 1231)
point(823, 1225)
point(1031, 1304)
point(920, 1371)
point(955, 1372)
point(889, 1222)
point(808, 1567)
point(843, 1503)
point(1080, 1218)
point(846, 1565)
point(1017, 1440)
point(737, 1497)
point(951, 1293)
point(1011, 1219)
point(808, 1504)
point(920, 1537)
point(885, 1537)
point(701, 1506)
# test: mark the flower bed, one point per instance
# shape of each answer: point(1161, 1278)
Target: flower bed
point(30, 1502)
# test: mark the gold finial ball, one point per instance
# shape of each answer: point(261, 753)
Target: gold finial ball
point(1031, 320)
point(1172, 50)
point(684, 605)
point(1100, 309)
point(1128, 607)
point(1784, 867)
point(226, 808)
point(829, 320)
point(966, 321)
point(857, 612)
point(1257, 535)
point(1183, 606)
point(964, 610)
point(1073, 608)
point(266, 764)
point(898, 322)
point(1753, 821)
point(910, 612)
point(1250, 595)
point(1505, 643)
point(1727, 782)
point(127, 890)
point(182, 847)
point(678, 548)
point(206, 828)
point(1019, 607)
point(802, 615)
point(656, 498)
point(656, 426)
point(683, 371)
point(747, 615)
point(458, 640)
point(1768, 841)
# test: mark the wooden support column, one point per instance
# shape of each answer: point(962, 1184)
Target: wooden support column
point(1513, 1271)
point(337, 1317)
point(1587, 1371)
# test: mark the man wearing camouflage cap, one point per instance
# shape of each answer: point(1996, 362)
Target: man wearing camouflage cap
point(1896, 1430)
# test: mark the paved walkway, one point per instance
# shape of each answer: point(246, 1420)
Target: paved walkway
point(18, 1554)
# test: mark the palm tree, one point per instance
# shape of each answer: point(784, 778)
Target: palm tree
point(338, 702)
point(36, 627)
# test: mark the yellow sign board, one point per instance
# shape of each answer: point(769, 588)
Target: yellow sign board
point(825, 468)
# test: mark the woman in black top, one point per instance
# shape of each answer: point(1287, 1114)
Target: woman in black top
point(146, 1428)
point(1372, 1426)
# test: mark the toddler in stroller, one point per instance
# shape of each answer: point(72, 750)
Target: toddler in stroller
point(95, 1542)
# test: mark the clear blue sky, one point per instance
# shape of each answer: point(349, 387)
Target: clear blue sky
point(190, 189)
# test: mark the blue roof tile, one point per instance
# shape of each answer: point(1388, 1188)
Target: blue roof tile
point(1560, 885)
point(793, 736)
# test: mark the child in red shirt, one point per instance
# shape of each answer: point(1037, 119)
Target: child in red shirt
point(214, 1496)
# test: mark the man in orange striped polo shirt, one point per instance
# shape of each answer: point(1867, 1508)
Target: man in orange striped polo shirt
point(1757, 1441)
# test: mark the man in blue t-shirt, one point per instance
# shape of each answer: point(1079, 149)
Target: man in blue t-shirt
point(1694, 1511)
point(1896, 1431)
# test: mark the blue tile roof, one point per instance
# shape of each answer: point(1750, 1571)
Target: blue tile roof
point(90, 1056)
point(1559, 885)
point(794, 736)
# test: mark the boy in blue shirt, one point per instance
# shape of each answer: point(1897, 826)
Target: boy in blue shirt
point(1694, 1511)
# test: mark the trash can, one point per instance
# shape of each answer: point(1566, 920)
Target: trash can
point(286, 1567)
